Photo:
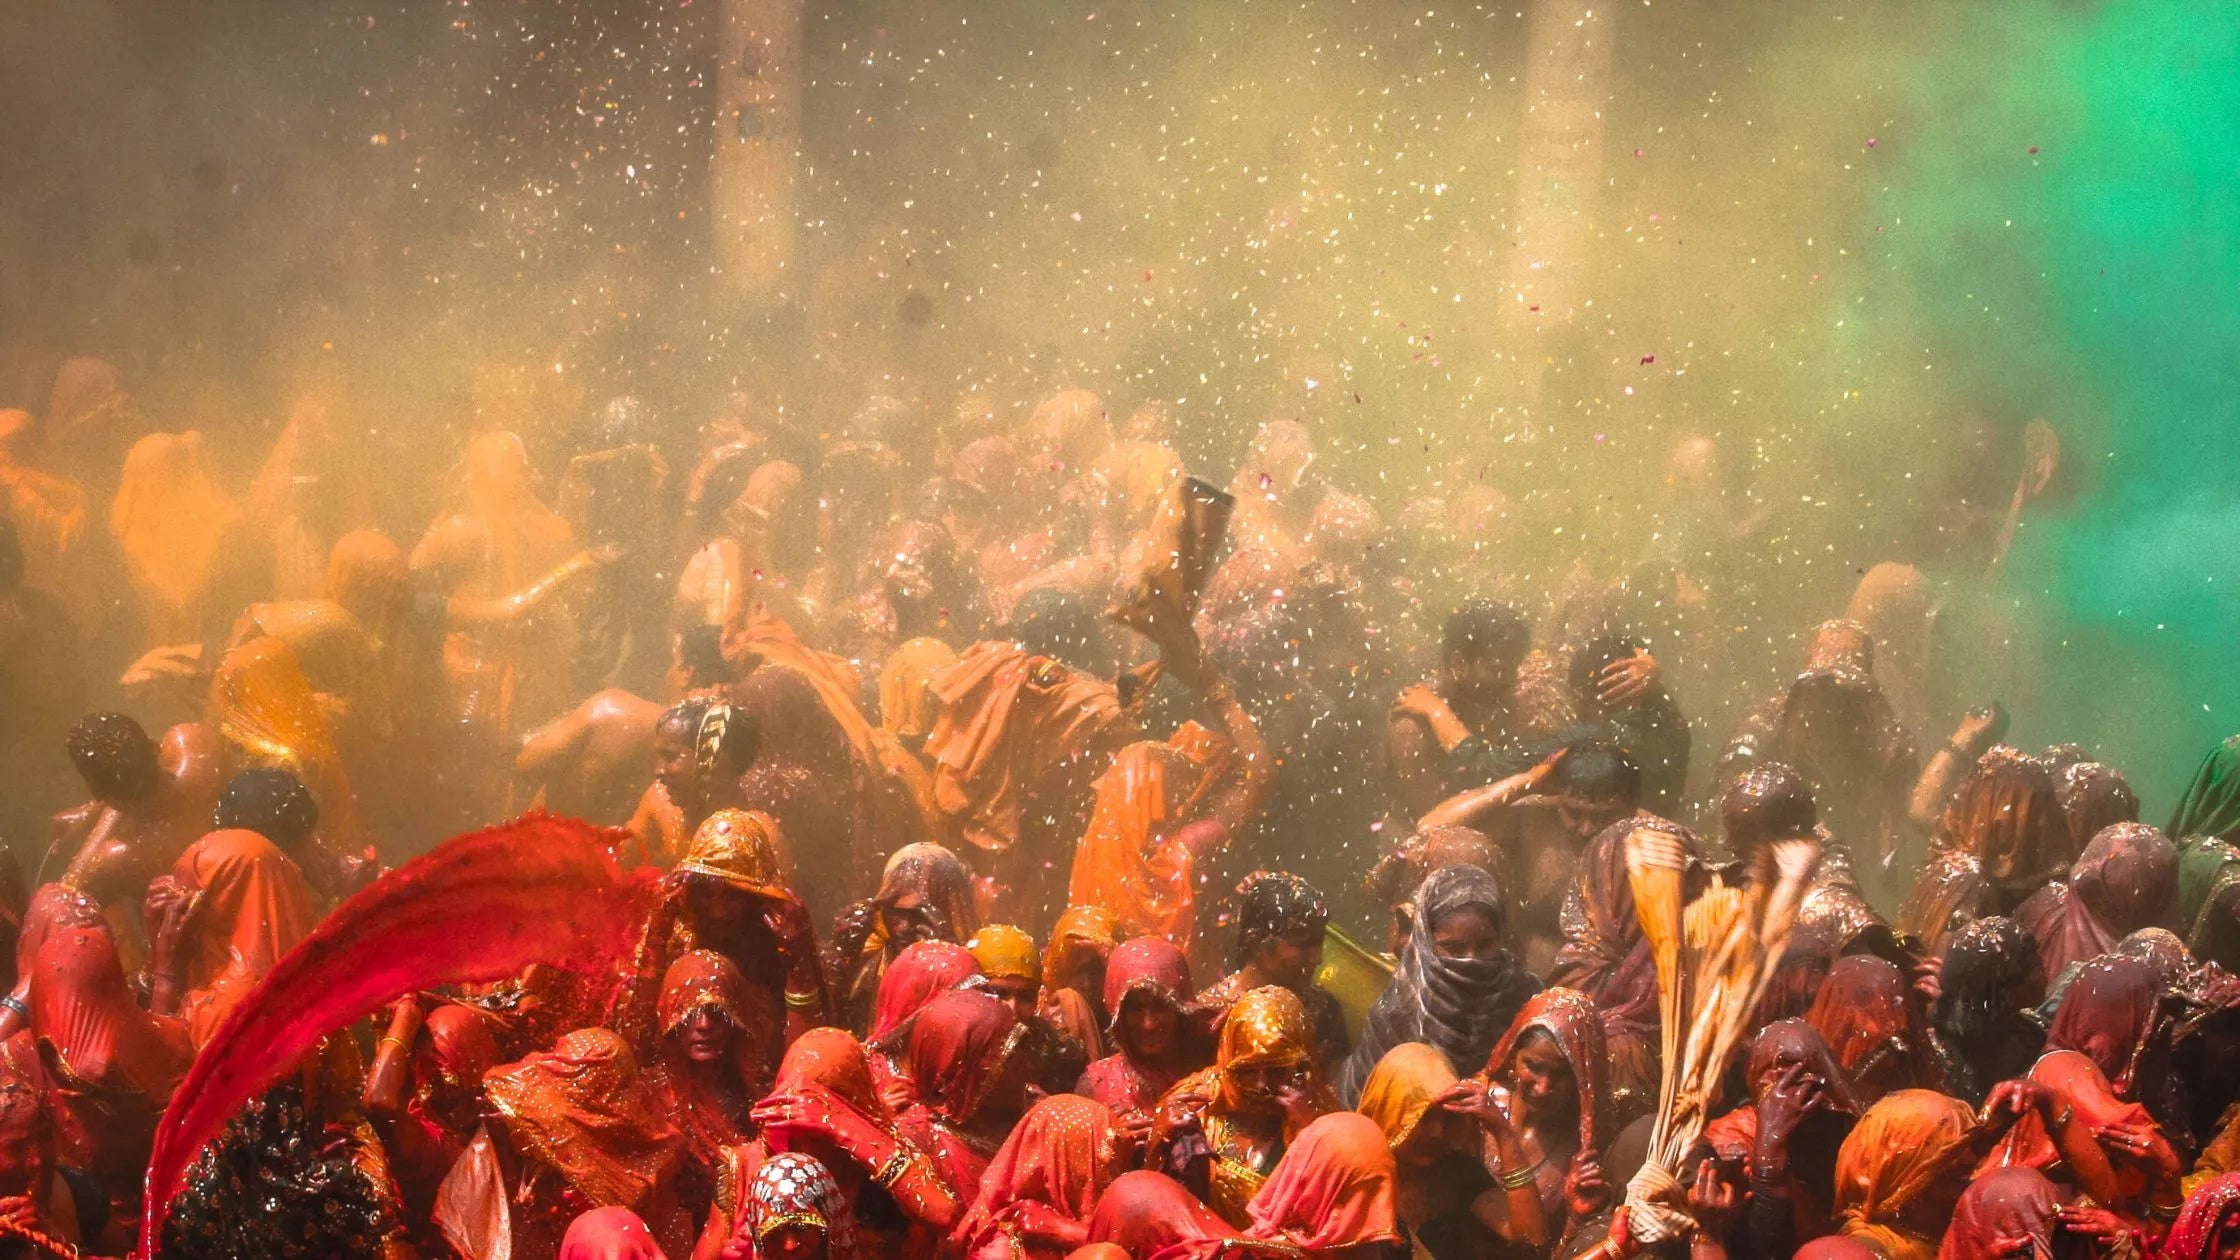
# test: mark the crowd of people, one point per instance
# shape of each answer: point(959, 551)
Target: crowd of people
point(1028, 850)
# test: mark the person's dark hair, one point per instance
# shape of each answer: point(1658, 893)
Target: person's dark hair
point(1275, 905)
point(1771, 802)
point(1596, 655)
point(114, 756)
point(1483, 628)
point(1599, 771)
point(700, 651)
point(1986, 964)
point(272, 803)
point(725, 737)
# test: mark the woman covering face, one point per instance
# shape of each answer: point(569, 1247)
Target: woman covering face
point(1457, 987)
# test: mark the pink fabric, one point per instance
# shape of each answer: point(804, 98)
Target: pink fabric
point(610, 1233)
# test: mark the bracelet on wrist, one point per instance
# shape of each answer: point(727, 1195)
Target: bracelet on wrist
point(1522, 1177)
point(893, 1170)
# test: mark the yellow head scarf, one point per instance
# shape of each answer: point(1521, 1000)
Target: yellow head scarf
point(1401, 1088)
point(738, 847)
point(1005, 953)
point(1266, 1027)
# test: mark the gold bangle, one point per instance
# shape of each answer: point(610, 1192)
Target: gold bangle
point(1522, 1177)
point(398, 1042)
point(893, 1170)
point(803, 1001)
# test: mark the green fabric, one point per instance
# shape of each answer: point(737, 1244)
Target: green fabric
point(2211, 806)
point(2209, 811)
point(2204, 863)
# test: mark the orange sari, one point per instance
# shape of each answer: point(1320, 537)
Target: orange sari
point(584, 1110)
point(171, 521)
point(1011, 726)
point(1130, 861)
point(252, 908)
point(263, 707)
point(1906, 1152)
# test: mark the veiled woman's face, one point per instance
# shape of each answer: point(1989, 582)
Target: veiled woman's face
point(1541, 1080)
point(1151, 1027)
point(1466, 932)
point(706, 1035)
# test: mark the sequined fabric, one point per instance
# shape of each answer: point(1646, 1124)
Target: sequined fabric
point(795, 1190)
point(738, 847)
point(585, 1110)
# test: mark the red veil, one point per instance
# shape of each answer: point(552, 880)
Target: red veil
point(477, 908)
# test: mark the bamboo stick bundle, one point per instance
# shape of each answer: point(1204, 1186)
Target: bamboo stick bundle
point(1712, 956)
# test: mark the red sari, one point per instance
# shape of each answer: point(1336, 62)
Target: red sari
point(708, 1102)
point(584, 1111)
point(2061, 1137)
point(609, 1233)
point(2126, 879)
point(1146, 969)
point(2208, 1224)
point(1999, 1207)
point(1863, 1013)
point(959, 1045)
point(917, 976)
point(455, 1047)
point(1332, 1189)
point(253, 908)
point(1039, 1192)
point(115, 1064)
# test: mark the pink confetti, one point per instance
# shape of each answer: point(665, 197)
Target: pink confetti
point(1648, 358)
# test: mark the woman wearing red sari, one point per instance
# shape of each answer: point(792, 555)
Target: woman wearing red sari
point(244, 905)
point(2011, 1212)
point(709, 1068)
point(1035, 1202)
point(2087, 1132)
point(922, 973)
point(2208, 1227)
point(455, 1047)
point(586, 1131)
point(970, 1081)
point(114, 1065)
point(1331, 1195)
point(825, 1106)
point(1540, 1104)
point(1866, 1014)
point(1786, 1139)
point(609, 1233)
point(1146, 987)
point(2126, 879)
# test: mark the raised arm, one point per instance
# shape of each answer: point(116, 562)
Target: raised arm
point(470, 610)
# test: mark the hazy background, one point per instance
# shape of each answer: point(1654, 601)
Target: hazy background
point(1859, 244)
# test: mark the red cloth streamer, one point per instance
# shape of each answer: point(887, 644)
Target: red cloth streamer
point(476, 908)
